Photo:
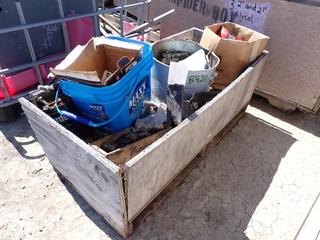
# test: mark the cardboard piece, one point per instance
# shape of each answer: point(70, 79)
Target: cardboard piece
point(97, 60)
point(235, 55)
point(192, 73)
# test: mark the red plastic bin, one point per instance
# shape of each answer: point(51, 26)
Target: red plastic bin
point(19, 82)
point(80, 31)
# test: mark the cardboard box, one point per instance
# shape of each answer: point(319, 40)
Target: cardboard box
point(235, 55)
point(90, 63)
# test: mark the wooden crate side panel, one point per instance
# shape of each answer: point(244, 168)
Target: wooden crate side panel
point(158, 201)
point(258, 66)
point(96, 180)
point(150, 171)
point(316, 106)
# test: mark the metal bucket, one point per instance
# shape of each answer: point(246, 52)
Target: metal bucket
point(160, 70)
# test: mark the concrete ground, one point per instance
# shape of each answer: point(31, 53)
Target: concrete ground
point(258, 183)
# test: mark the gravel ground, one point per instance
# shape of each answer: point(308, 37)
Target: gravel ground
point(258, 183)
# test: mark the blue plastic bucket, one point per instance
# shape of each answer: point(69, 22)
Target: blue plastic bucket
point(117, 106)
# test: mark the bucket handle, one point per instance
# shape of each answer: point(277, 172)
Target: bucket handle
point(84, 120)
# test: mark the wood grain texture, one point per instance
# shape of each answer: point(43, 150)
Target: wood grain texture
point(277, 102)
point(292, 71)
point(121, 155)
point(126, 153)
point(156, 166)
point(178, 180)
point(109, 138)
point(96, 179)
point(310, 228)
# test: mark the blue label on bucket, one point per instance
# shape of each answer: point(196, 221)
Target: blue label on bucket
point(96, 108)
point(138, 96)
point(97, 111)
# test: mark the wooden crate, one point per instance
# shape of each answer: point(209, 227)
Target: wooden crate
point(120, 193)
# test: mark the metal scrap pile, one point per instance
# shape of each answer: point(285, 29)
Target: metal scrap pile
point(169, 56)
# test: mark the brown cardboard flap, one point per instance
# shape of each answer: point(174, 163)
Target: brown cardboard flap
point(89, 62)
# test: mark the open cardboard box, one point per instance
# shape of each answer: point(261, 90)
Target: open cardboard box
point(89, 63)
point(235, 55)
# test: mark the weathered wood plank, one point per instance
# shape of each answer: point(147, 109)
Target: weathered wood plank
point(155, 167)
point(277, 101)
point(109, 138)
point(121, 155)
point(96, 179)
point(310, 228)
point(126, 153)
point(178, 180)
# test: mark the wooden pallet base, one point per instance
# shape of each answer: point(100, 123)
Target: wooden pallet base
point(286, 106)
point(277, 102)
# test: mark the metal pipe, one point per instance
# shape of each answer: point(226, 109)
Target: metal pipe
point(95, 19)
point(121, 19)
point(148, 16)
point(28, 65)
point(150, 23)
point(29, 42)
point(6, 94)
point(139, 33)
point(140, 14)
point(70, 18)
point(64, 27)
point(13, 99)
point(125, 11)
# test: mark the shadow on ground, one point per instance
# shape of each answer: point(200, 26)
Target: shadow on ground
point(88, 210)
point(308, 122)
point(22, 137)
point(218, 198)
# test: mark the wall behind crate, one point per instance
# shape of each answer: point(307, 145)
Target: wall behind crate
point(156, 8)
point(292, 72)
